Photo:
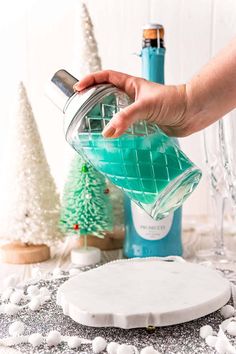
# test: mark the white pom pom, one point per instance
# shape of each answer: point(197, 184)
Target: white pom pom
point(149, 350)
point(10, 281)
point(33, 290)
point(206, 331)
point(231, 328)
point(6, 294)
point(74, 342)
point(35, 339)
point(16, 296)
point(45, 292)
point(227, 311)
point(125, 349)
point(34, 304)
point(225, 323)
point(53, 338)
point(112, 348)
point(11, 309)
point(211, 341)
point(99, 344)
point(221, 345)
point(57, 273)
point(16, 328)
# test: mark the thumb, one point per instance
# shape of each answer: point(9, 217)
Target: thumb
point(124, 119)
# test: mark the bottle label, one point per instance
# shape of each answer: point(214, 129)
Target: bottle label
point(148, 228)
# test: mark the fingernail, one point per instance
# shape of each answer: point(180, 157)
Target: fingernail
point(108, 131)
point(76, 86)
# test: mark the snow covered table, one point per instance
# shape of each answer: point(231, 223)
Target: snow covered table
point(182, 338)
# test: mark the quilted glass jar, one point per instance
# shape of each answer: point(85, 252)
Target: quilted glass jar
point(144, 162)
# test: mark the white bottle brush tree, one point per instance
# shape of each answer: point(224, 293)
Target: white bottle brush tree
point(86, 57)
point(29, 201)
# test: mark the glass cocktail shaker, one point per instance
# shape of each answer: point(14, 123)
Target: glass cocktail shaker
point(144, 162)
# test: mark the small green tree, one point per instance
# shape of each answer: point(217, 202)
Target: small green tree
point(86, 207)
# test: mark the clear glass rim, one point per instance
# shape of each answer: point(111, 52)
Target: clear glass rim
point(189, 178)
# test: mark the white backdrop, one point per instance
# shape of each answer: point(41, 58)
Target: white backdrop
point(37, 37)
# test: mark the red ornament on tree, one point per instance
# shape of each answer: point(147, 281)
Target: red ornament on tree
point(76, 227)
point(106, 191)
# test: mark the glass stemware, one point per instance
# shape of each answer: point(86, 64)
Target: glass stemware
point(227, 135)
point(215, 170)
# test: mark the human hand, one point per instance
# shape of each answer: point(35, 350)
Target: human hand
point(160, 104)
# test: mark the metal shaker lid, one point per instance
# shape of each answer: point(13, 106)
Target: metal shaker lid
point(75, 105)
point(80, 104)
point(60, 88)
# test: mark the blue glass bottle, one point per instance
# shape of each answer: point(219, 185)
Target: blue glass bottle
point(144, 236)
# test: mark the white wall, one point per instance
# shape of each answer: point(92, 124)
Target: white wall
point(37, 37)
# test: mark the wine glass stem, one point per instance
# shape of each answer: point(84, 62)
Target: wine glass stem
point(219, 206)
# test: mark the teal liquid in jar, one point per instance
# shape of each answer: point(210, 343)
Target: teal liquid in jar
point(143, 165)
point(144, 162)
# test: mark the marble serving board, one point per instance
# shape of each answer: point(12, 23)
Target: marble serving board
point(143, 292)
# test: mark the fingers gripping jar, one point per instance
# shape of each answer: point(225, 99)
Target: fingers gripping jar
point(144, 162)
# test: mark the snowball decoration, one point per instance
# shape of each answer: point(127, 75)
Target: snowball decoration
point(6, 294)
point(211, 340)
point(10, 341)
point(206, 331)
point(221, 345)
point(11, 309)
point(16, 296)
point(125, 349)
point(74, 342)
point(29, 201)
point(53, 338)
point(231, 328)
point(16, 328)
point(10, 281)
point(41, 299)
point(112, 348)
point(35, 339)
point(227, 311)
point(57, 273)
point(225, 323)
point(149, 350)
point(32, 290)
point(99, 344)
point(34, 304)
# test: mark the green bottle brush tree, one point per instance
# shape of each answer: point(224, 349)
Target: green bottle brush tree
point(86, 207)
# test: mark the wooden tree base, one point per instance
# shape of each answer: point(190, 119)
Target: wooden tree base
point(21, 253)
point(112, 241)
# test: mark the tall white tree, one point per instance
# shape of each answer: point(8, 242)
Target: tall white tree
point(29, 200)
point(86, 57)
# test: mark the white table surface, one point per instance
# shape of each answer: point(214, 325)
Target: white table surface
point(61, 258)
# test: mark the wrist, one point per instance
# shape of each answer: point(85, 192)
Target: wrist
point(194, 110)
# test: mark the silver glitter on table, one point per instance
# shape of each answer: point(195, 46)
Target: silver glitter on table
point(181, 339)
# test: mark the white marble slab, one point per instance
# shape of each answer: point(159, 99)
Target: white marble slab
point(142, 292)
